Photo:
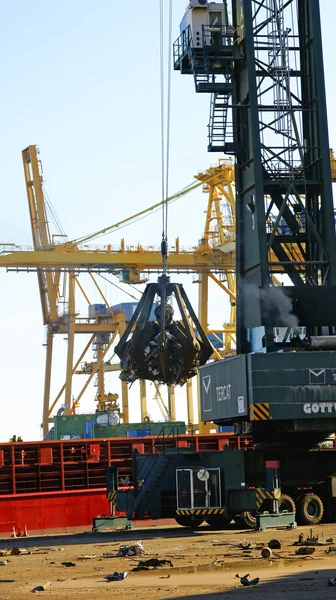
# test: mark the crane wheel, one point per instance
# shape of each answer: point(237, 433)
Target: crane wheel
point(246, 519)
point(187, 521)
point(219, 522)
point(286, 503)
point(310, 510)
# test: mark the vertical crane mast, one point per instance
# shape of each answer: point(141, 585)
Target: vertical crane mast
point(48, 280)
point(284, 204)
point(264, 71)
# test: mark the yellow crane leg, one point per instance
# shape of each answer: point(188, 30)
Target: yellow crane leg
point(51, 408)
point(124, 400)
point(124, 386)
point(190, 405)
point(203, 301)
point(71, 343)
point(171, 402)
point(47, 381)
point(203, 292)
point(100, 372)
point(143, 400)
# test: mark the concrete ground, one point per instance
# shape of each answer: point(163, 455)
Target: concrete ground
point(204, 565)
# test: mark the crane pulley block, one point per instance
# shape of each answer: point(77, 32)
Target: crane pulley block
point(164, 350)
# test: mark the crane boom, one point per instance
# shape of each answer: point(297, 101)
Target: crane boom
point(107, 260)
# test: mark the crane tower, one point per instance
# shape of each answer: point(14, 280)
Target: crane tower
point(262, 63)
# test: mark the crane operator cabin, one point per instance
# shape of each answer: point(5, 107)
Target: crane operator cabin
point(202, 14)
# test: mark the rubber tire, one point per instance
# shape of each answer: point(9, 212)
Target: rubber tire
point(219, 522)
point(246, 519)
point(304, 517)
point(286, 503)
point(186, 521)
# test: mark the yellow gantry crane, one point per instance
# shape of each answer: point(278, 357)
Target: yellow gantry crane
point(220, 236)
point(58, 265)
point(51, 281)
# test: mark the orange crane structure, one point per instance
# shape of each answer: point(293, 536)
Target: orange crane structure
point(59, 263)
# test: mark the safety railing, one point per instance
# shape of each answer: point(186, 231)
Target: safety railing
point(182, 45)
point(159, 445)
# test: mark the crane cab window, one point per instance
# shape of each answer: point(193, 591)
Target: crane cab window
point(215, 19)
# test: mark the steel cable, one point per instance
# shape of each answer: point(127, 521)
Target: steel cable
point(165, 126)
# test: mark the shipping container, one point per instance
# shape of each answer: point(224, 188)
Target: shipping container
point(129, 308)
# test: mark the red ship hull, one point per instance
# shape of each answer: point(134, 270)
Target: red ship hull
point(48, 512)
point(60, 485)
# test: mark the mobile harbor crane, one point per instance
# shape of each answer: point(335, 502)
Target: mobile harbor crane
point(263, 67)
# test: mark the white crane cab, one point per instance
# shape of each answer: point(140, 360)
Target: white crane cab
point(204, 19)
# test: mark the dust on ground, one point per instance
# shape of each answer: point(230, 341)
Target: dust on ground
point(205, 564)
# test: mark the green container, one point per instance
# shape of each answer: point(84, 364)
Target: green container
point(71, 425)
point(75, 425)
point(154, 428)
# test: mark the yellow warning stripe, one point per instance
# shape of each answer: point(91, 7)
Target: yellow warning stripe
point(264, 410)
point(260, 412)
point(200, 511)
point(262, 494)
point(112, 497)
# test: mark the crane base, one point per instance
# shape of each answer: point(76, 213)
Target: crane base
point(283, 519)
point(99, 523)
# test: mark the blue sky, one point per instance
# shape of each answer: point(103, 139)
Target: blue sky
point(81, 80)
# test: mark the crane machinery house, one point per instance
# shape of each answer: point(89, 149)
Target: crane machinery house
point(203, 20)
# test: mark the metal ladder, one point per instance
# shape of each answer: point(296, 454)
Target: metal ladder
point(150, 474)
point(218, 122)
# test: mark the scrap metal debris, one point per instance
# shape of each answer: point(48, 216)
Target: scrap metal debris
point(116, 576)
point(332, 581)
point(266, 553)
point(247, 581)
point(305, 550)
point(98, 556)
point(136, 549)
point(311, 540)
point(152, 563)
point(163, 350)
point(68, 563)
point(17, 551)
point(41, 588)
point(250, 546)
